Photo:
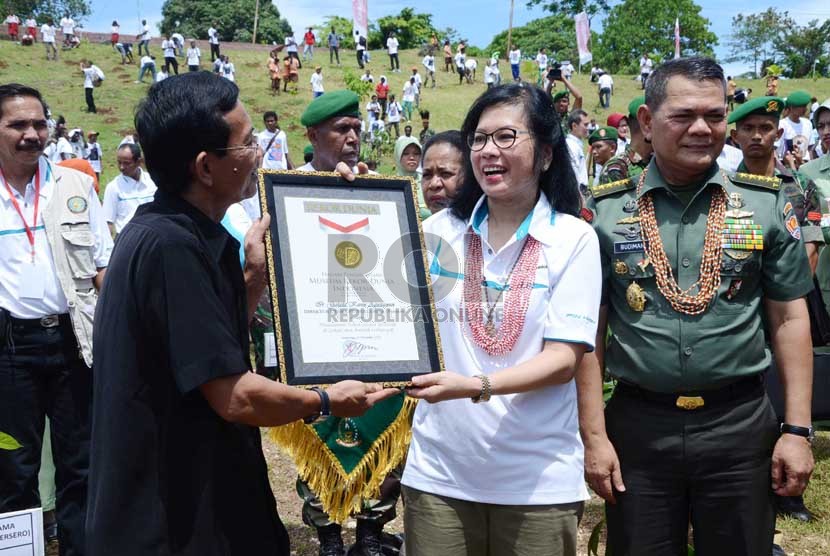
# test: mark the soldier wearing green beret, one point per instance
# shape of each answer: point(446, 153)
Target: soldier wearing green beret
point(756, 129)
point(819, 171)
point(603, 144)
point(696, 265)
point(797, 130)
point(308, 153)
point(562, 99)
point(637, 153)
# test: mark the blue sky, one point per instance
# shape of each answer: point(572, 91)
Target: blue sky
point(478, 20)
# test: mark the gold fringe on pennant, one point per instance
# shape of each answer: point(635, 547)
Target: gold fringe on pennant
point(341, 493)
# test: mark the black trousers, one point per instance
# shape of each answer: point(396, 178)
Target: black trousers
point(710, 465)
point(41, 373)
point(359, 55)
point(605, 97)
point(214, 52)
point(90, 101)
point(394, 62)
point(171, 61)
point(334, 51)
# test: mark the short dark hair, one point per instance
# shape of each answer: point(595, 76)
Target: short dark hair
point(574, 117)
point(557, 182)
point(425, 114)
point(181, 117)
point(695, 68)
point(10, 90)
point(452, 137)
point(134, 148)
point(269, 114)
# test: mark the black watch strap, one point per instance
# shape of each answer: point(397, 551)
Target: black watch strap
point(325, 407)
point(806, 432)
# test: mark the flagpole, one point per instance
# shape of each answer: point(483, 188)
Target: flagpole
point(510, 29)
point(256, 21)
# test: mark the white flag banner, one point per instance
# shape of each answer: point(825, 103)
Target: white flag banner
point(360, 14)
point(677, 38)
point(583, 37)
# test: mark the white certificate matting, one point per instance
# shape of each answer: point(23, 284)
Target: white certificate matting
point(21, 533)
point(351, 328)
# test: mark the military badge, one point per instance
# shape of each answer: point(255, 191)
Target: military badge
point(629, 220)
point(738, 213)
point(737, 255)
point(742, 234)
point(630, 206)
point(620, 267)
point(601, 132)
point(636, 297)
point(586, 215)
point(76, 205)
point(628, 231)
point(793, 227)
point(644, 264)
point(734, 288)
point(772, 106)
point(736, 200)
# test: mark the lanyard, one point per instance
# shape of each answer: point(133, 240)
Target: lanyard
point(30, 232)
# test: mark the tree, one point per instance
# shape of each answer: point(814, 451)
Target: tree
point(556, 33)
point(56, 9)
point(234, 19)
point(572, 7)
point(753, 36)
point(801, 48)
point(411, 29)
point(625, 35)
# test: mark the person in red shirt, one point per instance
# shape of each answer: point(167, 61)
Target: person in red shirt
point(308, 47)
point(382, 90)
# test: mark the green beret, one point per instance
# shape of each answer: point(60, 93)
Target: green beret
point(603, 134)
point(798, 98)
point(330, 105)
point(634, 105)
point(559, 95)
point(761, 106)
point(309, 149)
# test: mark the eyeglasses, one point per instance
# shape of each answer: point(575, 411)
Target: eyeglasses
point(503, 138)
point(251, 144)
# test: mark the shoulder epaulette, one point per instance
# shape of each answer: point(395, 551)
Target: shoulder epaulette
point(604, 189)
point(756, 180)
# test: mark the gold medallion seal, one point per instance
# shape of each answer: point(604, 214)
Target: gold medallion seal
point(636, 297)
point(348, 254)
point(620, 268)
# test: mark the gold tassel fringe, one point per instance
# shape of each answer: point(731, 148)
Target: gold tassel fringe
point(341, 493)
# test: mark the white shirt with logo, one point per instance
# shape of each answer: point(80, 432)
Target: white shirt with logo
point(392, 45)
point(124, 195)
point(273, 152)
point(193, 56)
point(68, 26)
point(48, 32)
point(515, 56)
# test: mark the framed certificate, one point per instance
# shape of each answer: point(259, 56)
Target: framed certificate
point(348, 279)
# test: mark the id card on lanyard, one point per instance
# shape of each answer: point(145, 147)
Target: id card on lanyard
point(32, 281)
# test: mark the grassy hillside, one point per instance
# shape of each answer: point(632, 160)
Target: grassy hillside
point(62, 85)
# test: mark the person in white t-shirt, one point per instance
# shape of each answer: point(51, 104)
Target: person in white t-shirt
point(162, 74)
point(418, 82)
point(143, 38)
point(178, 40)
point(392, 49)
point(31, 27)
point(213, 40)
point(168, 46)
point(541, 65)
point(68, 29)
point(274, 144)
point(408, 97)
point(429, 63)
point(132, 188)
point(228, 71)
point(47, 32)
point(797, 130)
point(147, 65)
point(567, 69)
point(194, 57)
point(646, 67)
point(605, 85)
point(92, 77)
point(495, 464)
point(578, 125)
point(393, 113)
point(94, 153)
point(460, 60)
point(13, 23)
point(515, 57)
point(317, 83)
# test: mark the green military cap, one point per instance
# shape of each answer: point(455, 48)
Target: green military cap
point(559, 95)
point(330, 105)
point(798, 98)
point(309, 149)
point(761, 106)
point(635, 105)
point(603, 134)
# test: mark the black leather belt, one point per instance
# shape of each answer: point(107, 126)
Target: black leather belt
point(49, 321)
point(695, 400)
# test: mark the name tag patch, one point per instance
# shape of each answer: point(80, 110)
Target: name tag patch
point(623, 247)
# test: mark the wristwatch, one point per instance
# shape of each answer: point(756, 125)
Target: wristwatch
point(325, 408)
point(806, 432)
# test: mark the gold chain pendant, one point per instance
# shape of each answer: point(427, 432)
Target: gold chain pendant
point(636, 297)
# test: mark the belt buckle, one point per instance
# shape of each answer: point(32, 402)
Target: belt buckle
point(50, 321)
point(689, 403)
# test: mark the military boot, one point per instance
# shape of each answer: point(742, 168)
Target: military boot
point(331, 541)
point(368, 539)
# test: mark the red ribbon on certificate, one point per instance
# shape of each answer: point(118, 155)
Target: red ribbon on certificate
point(344, 229)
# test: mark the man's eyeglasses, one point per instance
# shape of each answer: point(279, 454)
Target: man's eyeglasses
point(503, 138)
point(251, 144)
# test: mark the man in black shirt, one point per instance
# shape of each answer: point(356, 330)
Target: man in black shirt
point(177, 466)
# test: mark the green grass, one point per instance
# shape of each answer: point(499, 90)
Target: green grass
point(62, 85)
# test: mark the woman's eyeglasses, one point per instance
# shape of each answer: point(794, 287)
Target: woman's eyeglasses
point(503, 138)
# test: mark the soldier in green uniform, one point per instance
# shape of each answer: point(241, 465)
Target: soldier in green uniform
point(603, 145)
point(695, 263)
point(637, 153)
point(819, 171)
point(756, 129)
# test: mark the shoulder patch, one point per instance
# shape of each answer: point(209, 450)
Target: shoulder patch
point(604, 189)
point(757, 181)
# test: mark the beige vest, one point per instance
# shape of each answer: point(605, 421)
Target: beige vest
point(72, 242)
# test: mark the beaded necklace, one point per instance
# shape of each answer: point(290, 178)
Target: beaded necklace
point(485, 334)
point(708, 281)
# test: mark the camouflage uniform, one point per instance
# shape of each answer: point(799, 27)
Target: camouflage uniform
point(626, 165)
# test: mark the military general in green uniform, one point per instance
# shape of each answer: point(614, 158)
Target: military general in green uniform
point(637, 153)
point(695, 264)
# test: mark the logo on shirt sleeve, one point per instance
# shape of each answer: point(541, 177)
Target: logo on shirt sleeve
point(76, 205)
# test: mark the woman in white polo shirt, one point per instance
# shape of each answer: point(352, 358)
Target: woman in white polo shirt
point(496, 463)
